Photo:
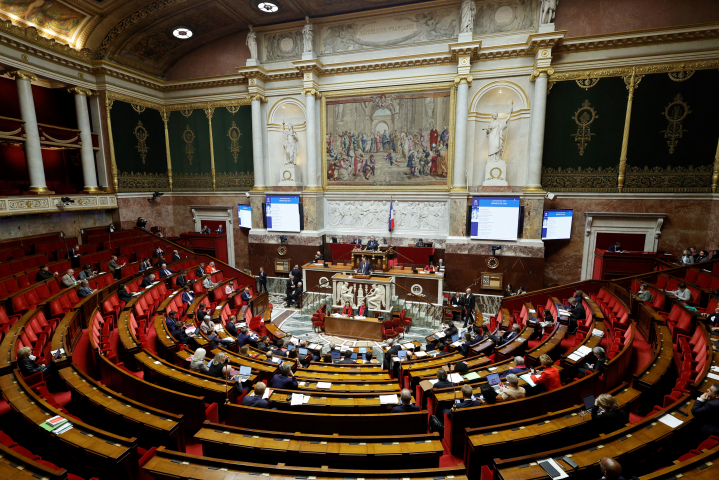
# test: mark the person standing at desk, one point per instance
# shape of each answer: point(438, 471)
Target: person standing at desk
point(364, 267)
point(419, 243)
point(372, 244)
point(318, 256)
point(73, 254)
point(356, 241)
point(468, 307)
point(297, 274)
point(262, 279)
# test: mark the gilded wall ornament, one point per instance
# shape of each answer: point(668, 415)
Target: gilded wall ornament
point(138, 108)
point(189, 136)
point(584, 117)
point(587, 83)
point(601, 179)
point(142, 182)
point(186, 112)
point(669, 179)
point(234, 134)
point(681, 75)
point(675, 113)
point(233, 109)
point(141, 136)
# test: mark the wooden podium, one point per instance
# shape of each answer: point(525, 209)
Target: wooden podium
point(378, 260)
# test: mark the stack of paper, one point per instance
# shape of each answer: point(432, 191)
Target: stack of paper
point(313, 346)
point(455, 378)
point(408, 346)
point(458, 343)
point(421, 354)
point(575, 357)
point(389, 400)
point(56, 425)
point(440, 334)
point(471, 376)
point(528, 378)
point(713, 376)
point(326, 385)
point(671, 421)
point(298, 399)
point(598, 333)
point(267, 394)
point(562, 312)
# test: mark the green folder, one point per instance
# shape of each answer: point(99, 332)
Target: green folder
point(472, 376)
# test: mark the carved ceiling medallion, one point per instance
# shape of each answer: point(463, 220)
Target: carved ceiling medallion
point(141, 136)
point(675, 113)
point(584, 117)
point(189, 136)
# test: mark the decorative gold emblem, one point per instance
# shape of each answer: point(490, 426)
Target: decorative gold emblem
point(233, 109)
point(234, 134)
point(681, 75)
point(186, 112)
point(492, 262)
point(141, 136)
point(138, 108)
point(584, 117)
point(587, 83)
point(675, 113)
point(189, 136)
point(495, 175)
point(287, 175)
point(282, 250)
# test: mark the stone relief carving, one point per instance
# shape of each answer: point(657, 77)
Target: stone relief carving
point(375, 297)
point(422, 216)
point(279, 46)
point(419, 27)
point(505, 16)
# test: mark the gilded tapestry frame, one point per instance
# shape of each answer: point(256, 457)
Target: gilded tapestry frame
point(448, 86)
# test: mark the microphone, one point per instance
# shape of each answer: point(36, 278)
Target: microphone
point(227, 395)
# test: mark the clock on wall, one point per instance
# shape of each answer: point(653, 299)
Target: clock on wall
point(492, 262)
point(282, 250)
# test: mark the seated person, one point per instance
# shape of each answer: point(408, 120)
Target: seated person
point(451, 330)
point(372, 244)
point(318, 257)
point(549, 377)
point(188, 296)
point(208, 284)
point(218, 362)
point(479, 336)
point(347, 310)
point(27, 364)
point(165, 272)
point(465, 348)
point(468, 399)
point(712, 319)
point(145, 264)
point(278, 352)
point(147, 281)
point(182, 279)
point(578, 313)
point(208, 328)
point(44, 273)
point(231, 327)
point(616, 248)
point(363, 309)
point(210, 268)
point(606, 415)
point(419, 243)
point(158, 252)
point(84, 291)
point(171, 320)
point(442, 381)
point(682, 293)
point(508, 336)
point(68, 280)
point(460, 367)
point(205, 230)
point(513, 391)
point(200, 270)
point(327, 358)
point(405, 405)
point(284, 379)
point(540, 326)
point(229, 289)
point(264, 344)
point(175, 256)
point(256, 400)
point(348, 357)
point(245, 338)
point(368, 357)
point(489, 394)
point(180, 334)
point(705, 411)
point(430, 268)
point(201, 312)
point(123, 294)
point(197, 361)
point(518, 368)
point(598, 365)
point(87, 273)
point(643, 295)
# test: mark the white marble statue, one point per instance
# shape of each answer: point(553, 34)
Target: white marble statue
point(252, 43)
point(375, 297)
point(496, 133)
point(307, 36)
point(549, 8)
point(291, 144)
point(468, 11)
point(347, 294)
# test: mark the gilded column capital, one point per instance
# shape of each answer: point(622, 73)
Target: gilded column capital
point(22, 75)
point(257, 96)
point(467, 78)
point(81, 91)
point(165, 114)
point(541, 72)
point(311, 91)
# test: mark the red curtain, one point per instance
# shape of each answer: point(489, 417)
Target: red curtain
point(10, 105)
point(54, 107)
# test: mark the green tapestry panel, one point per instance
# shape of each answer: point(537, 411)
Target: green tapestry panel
point(232, 139)
point(190, 150)
point(138, 136)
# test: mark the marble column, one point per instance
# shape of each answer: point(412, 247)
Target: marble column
point(87, 153)
point(33, 150)
point(536, 130)
point(100, 159)
point(257, 155)
point(463, 83)
point(311, 135)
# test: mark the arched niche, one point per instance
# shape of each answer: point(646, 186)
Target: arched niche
point(288, 111)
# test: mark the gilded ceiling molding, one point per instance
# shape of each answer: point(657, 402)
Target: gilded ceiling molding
point(31, 34)
point(639, 70)
point(81, 91)
point(133, 100)
point(22, 75)
point(131, 20)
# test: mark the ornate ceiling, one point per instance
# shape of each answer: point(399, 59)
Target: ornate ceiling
point(138, 33)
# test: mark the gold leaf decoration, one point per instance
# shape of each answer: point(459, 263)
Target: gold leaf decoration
point(141, 136)
point(587, 83)
point(186, 112)
point(233, 109)
point(235, 181)
point(189, 137)
point(669, 179)
point(675, 113)
point(191, 181)
point(234, 133)
point(584, 117)
point(580, 179)
point(681, 76)
point(138, 108)
point(142, 182)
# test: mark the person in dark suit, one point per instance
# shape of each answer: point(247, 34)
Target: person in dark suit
point(467, 400)
point(284, 379)
point(297, 295)
point(110, 228)
point(616, 248)
point(73, 254)
point(356, 241)
point(141, 222)
point(464, 349)
point(392, 350)
point(419, 243)
point(296, 274)
point(180, 335)
point(230, 326)
point(468, 303)
point(364, 267)
point(363, 309)
point(244, 338)
point(264, 344)
point(262, 280)
point(348, 357)
point(518, 368)
point(200, 270)
point(122, 294)
point(84, 290)
point(206, 230)
point(606, 415)
point(451, 330)
point(319, 256)
point(181, 279)
point(508, 336)
point(219, 362)
point(246, 295)
point(165, 272)
point(610, 468)
point(405, 398)
point(706, 412)
point(201, 313)
point(220, 229)
point(578, 313)
point(147, 281)
point(598, 365)
point(256, 400)
point(372, 244)
point(44, 273)
point(442, 381)
point(188, 296)
point(171, 320)
point(175, 256)
point(158, 252)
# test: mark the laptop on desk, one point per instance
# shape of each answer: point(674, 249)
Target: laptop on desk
point(245, 373)
point(588, 402)
point(303, 351)
point(402, 354)
point(335, 356)
point(354, 356)
point(494, 381)
point(455, 338)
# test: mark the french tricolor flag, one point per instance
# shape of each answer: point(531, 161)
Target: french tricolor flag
point(391, 216)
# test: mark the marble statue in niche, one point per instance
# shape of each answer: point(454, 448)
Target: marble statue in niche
point(375, 297)
point(307, 36)
point(291, 144)
point(497, 136)
point(252, 43)
point(549, 9)
point(468, 11)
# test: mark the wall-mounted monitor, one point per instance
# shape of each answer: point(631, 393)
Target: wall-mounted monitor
point(283, 213)
point(244, 213)
point(494, 218)
point(557, 224)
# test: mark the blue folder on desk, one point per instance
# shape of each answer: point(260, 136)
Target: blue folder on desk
point(303, 351)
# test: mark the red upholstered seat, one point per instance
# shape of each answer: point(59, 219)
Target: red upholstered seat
point(388, 330)
point(397, 327)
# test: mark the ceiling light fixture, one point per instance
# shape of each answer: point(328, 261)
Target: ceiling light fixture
point(268, 7)
point(183, 33)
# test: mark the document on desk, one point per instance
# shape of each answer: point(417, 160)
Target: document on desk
point(326, 385)
point(458, 343)
point(562, 312)
point(297, 399)
point(389, 400)
point(455, 378)
point(553, 469)
point(575, 357)
point(713, 375)
point(670, 421)
point(583, 350)
point(528, 378)
point(408, 346)
point(433, 381)
point(598, 333)
point(421, 354)
point(440, 334)
point(471, 376)
point(267, 394)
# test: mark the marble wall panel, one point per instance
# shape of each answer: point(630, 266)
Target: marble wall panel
point(69, 222)
point(425, 218)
